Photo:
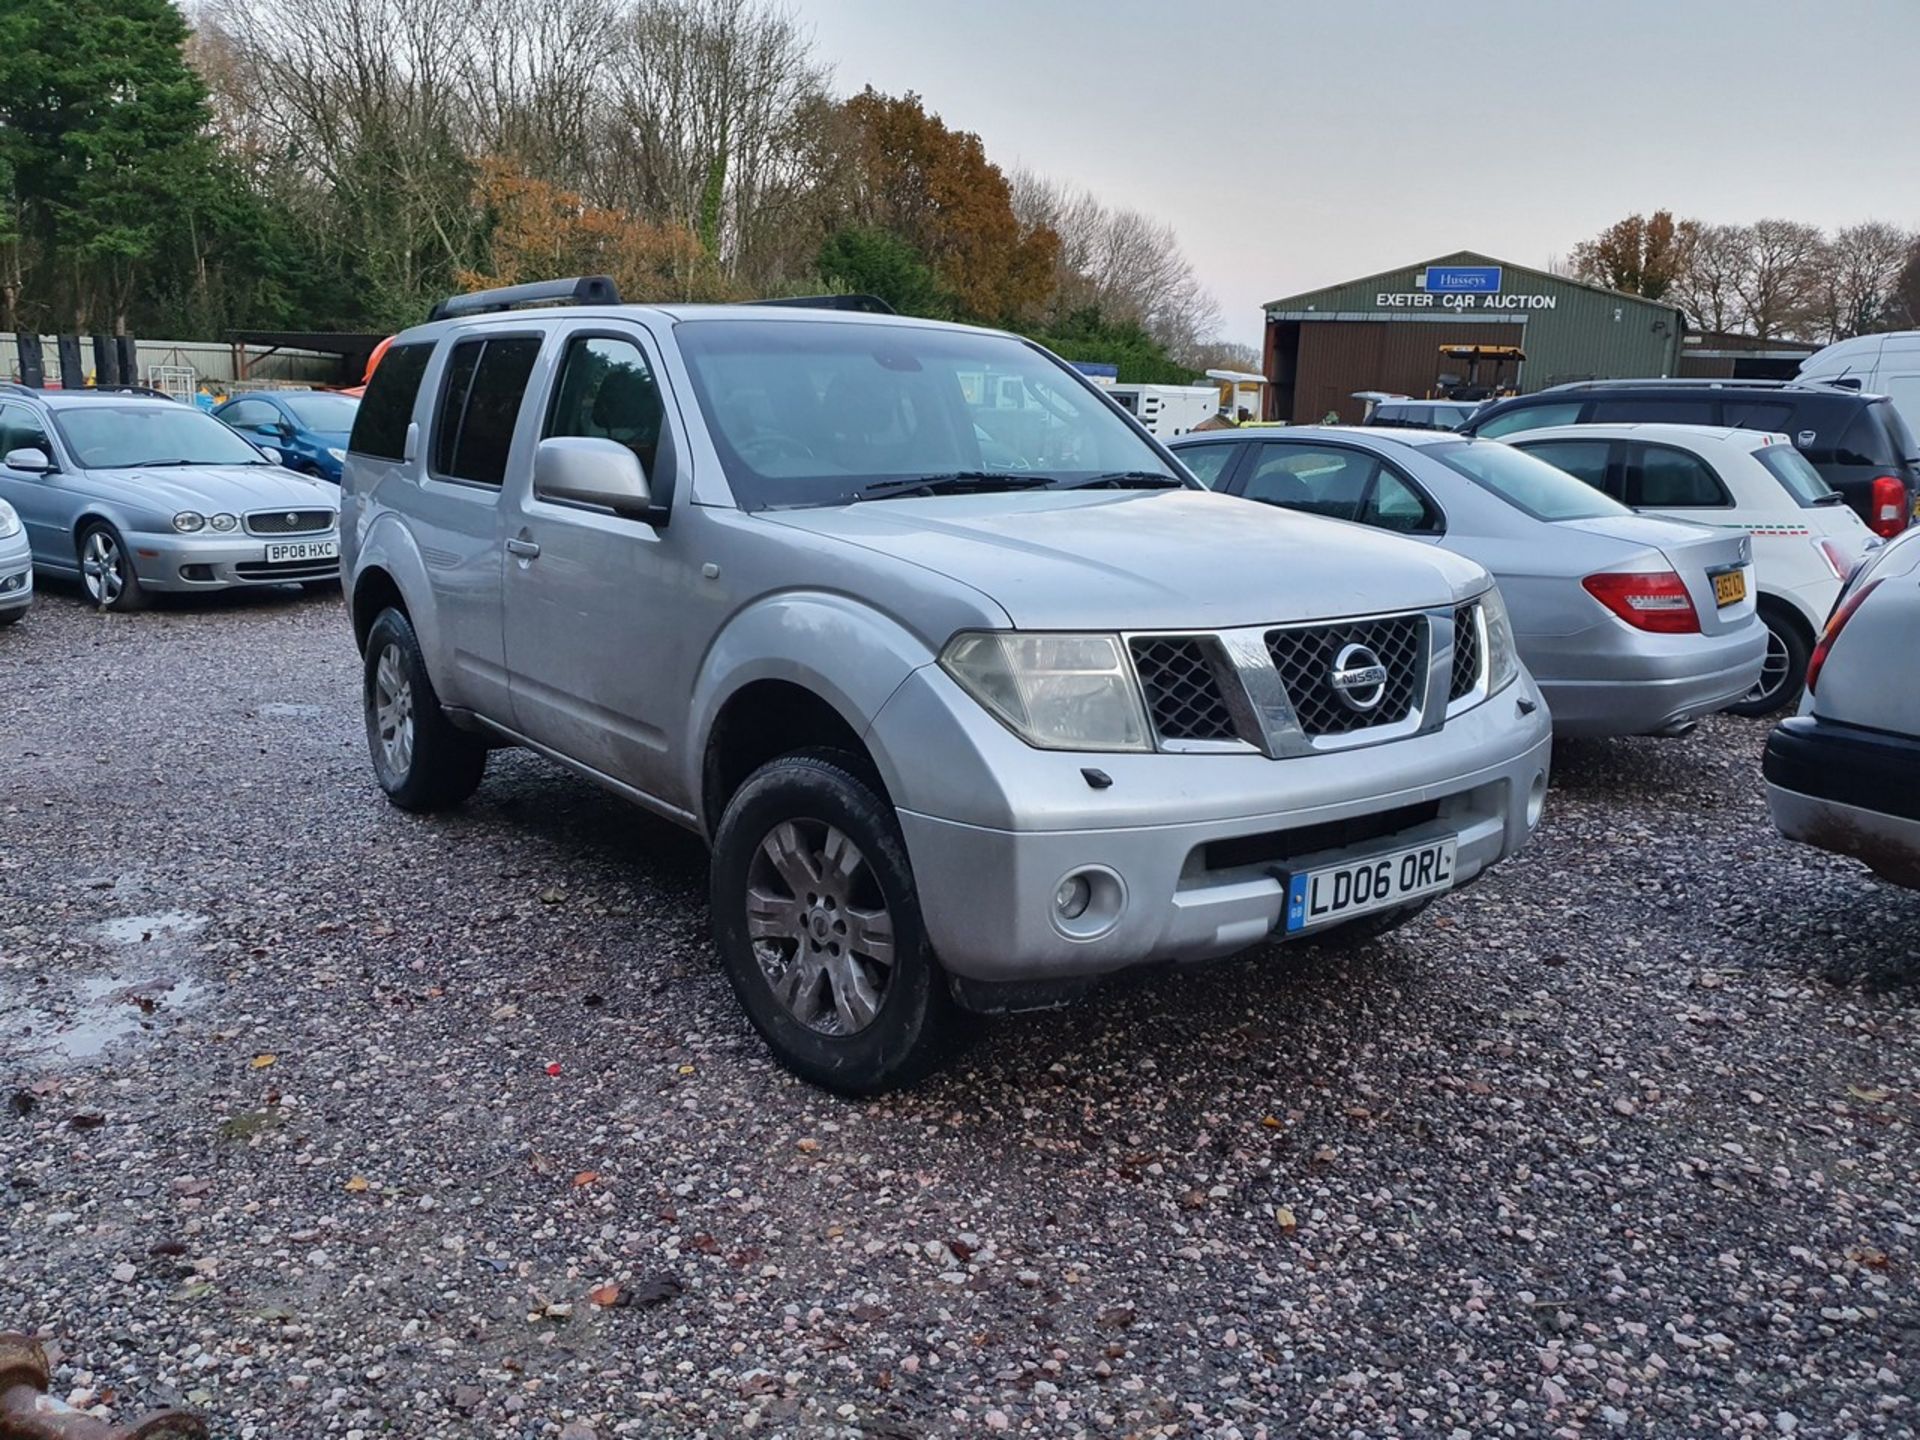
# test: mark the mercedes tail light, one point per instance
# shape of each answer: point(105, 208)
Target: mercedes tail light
point(1655, 600)
point(1836, 622)
point(1888, 510)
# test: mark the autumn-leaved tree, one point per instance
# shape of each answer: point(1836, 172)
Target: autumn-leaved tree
point(537, 231)
point(1639, 255)
point(907, 172)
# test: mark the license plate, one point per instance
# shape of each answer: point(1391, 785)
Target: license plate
point(1354, 887)
point(292, 552)
point(1729, 588)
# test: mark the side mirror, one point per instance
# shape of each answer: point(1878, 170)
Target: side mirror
point(588, 471)
point(31, 459)
point(280, 429)
point(272, 454)
point(1805, 438)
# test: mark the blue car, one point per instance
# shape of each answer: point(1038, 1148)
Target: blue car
point(308, 427)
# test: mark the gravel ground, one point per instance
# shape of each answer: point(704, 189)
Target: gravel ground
point(327, 1120)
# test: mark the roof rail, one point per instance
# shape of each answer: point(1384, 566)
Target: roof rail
point(1680, 382)
point(14, 387)
point(579, 290)
point(863, 304)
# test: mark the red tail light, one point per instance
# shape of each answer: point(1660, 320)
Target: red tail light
point(1655, 600)
point(1889, 507)
point(1836, 622)
point(1837, 559)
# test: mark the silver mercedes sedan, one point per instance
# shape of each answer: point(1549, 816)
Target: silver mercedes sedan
point(1630, 625)
point(133, 492)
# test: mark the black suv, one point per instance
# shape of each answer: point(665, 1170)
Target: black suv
point(1857, 441)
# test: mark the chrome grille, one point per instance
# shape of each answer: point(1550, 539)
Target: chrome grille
point(1182, 688)
point(289, 522)
point(1466, 652)
point(1304, 658)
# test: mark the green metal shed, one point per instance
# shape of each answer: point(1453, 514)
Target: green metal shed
point(1384, 332)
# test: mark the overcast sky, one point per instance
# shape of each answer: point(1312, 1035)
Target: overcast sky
point(1318, 142)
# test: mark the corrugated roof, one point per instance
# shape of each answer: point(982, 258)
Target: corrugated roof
point(1464, 257)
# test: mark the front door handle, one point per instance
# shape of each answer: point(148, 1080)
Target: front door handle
point(525, 549)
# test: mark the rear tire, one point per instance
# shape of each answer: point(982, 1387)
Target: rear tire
point(420, 757)
point(1783, 675)
point(818, 926)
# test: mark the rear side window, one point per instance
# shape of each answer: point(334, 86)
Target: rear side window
point(1867, 441)
point(1671, 479)
point(1795, 472)
point(380, 427)
point(1653, 410)
point(1326, 482)
point(479, 403)
point(1530, 417)
point(1395, 505)
point(1583, 459)
point(1207, 462)
point(1527, 484)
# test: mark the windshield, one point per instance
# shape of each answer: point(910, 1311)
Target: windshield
point(111, 437)
point(322, 412)
point(1524, 482)
point(830, 412)
point(1794, 471)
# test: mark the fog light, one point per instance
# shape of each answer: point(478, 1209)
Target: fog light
point(1088, 902)
point(1537, 799)
point(1073, 897)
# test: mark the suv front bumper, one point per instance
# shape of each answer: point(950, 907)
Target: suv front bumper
point(1192, 843)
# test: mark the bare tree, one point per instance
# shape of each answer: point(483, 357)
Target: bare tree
point(1863, 265)
point(1127, 264)
point(1779, 286)
point(1707, 283)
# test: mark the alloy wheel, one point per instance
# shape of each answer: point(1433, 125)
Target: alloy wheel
point(100, 567)
point(1773, 670)
point(393, 710)
point(820, 926)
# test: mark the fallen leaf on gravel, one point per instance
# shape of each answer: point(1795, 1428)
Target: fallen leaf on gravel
point(1119, 1317)
point(357, 1184)
point(261, 1062)
point(86, 1120)
point(656, 1290)
point(553, 1067)
point(605, 1296)
point(585, 1177)
point(553, 895)
point(686, 1069)
point(167, 1248)
point(1272, 1122)
point(1283, 1217)
point(1872, 1094)
point(809, 1145)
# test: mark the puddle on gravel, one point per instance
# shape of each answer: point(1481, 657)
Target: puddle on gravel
point(148, 983)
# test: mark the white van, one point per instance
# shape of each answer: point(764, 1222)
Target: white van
point(1883, 364)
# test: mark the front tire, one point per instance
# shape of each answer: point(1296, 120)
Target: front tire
point(421, 758)
point(1783, 674)
point(106, 570)
point(818, 925)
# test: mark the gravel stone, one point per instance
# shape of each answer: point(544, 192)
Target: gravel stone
point(1621, 1138)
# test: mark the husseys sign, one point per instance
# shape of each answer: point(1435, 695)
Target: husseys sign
point(1460, 287)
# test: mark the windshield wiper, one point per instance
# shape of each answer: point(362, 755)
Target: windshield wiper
point(156, 464)
point(958, 482)
point(1130, 480)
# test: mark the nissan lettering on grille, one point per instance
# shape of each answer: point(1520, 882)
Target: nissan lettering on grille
point(1358, 677)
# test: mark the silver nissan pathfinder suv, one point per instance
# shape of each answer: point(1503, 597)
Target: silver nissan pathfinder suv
point(974, 693)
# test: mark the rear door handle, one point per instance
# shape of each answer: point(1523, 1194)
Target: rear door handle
point(525, 549)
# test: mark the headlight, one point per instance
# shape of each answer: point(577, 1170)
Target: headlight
point(339, 456)
point(1503, 657)
point(1059, 692)
point(9, 521)
point(188, 521)
point(222, 522)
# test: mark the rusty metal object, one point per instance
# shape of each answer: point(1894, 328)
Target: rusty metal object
point(28, 1412)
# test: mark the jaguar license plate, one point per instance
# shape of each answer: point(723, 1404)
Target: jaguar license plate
point(294, 552)
point(1378, 882)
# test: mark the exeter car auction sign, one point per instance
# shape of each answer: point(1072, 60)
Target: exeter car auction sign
point(1459, 287)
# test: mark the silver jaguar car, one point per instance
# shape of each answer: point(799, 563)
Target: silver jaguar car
point(133, 492)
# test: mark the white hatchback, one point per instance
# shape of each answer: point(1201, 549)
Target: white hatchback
point(1806, 539)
